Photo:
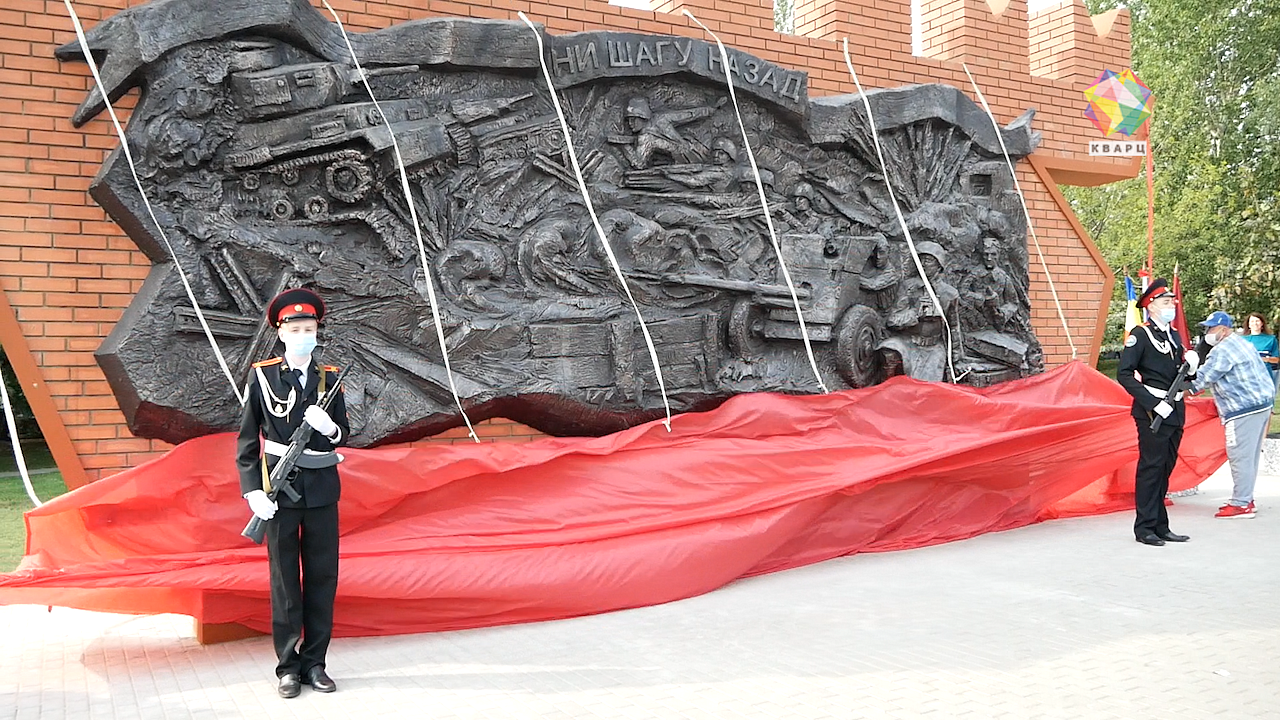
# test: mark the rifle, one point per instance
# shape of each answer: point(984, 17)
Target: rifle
point(283, 474)
point(1179, 383)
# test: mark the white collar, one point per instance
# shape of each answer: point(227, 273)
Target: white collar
point(304, 367)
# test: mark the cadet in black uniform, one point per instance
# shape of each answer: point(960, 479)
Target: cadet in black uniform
point(283, 392)
point(1149, 363)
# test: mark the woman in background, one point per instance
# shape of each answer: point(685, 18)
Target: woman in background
point(1265, 343)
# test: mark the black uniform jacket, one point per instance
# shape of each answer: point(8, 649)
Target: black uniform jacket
point(317, 486)
point(1156, 367)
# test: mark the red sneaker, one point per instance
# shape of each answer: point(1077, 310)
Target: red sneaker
point(1235, 512)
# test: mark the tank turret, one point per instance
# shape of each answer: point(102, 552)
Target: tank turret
point(289, 89)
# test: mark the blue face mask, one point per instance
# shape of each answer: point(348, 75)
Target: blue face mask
point(299, 345)
point(1168, 314)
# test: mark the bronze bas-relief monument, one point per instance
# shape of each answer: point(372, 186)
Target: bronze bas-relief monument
point(269, 167)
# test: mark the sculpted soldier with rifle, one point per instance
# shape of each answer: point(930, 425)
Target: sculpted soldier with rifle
point(294, 416)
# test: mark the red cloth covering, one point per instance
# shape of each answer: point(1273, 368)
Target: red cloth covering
point(446, 537)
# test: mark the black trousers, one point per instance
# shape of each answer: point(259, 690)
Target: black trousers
point(1157, 454)
point(302, 545)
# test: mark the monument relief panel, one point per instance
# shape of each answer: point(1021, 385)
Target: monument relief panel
point(270, 167)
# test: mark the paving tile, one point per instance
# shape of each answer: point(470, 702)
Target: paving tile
point(1067, 619)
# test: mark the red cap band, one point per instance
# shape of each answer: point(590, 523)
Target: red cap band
point(296, 310)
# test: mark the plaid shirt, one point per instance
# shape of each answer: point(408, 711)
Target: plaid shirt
point(1241, 383)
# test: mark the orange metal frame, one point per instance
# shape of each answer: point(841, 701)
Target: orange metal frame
point(38, 397)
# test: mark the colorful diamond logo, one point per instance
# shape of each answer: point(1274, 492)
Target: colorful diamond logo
point(1118, 103)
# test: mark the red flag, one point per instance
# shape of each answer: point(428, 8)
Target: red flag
point(1180, 319)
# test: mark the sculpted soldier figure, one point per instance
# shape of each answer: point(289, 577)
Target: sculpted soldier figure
point(657, 133)
point(802, 218)
point(990, 291)
point(881, 276)
point(919, 335)
point(302, 536)
point(726, 174)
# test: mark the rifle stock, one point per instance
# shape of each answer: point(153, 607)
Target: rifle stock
point(282, 475)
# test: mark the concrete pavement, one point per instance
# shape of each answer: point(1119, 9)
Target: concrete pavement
point(1067, 619)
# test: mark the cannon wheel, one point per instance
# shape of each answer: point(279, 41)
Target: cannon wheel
point(746, 320)
point(857, 334)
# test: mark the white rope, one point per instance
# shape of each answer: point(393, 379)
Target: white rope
point(764, 202)
point(17, 445)
point(902, 221)
point(124, 145)
point(591, 210)
point(1026, 212)
point(417, 229)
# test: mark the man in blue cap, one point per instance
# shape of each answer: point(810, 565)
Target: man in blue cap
point(1244, 393)
point(1152, 355)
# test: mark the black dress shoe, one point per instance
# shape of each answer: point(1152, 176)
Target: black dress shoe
point(1151, 539)
point(1174, 537)
point(319, 681)
point(290, 686)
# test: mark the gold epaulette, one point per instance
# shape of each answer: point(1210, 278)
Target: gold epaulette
point(268, 363)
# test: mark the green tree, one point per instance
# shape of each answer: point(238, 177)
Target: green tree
point(784, 16)
point(25, 419)
point(1214, 68)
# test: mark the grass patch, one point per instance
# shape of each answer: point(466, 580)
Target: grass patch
point(1275, 418)
point(1108, 367)
point(14, 502)
point(35, 452)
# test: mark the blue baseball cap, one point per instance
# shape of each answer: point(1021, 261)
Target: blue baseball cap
point(1217, 318)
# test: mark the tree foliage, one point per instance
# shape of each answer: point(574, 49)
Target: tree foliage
point(25, 419)
point(1214, 67)
point(784, 16)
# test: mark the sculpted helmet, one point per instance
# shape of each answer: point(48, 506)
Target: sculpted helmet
point(638, 107)
point(933, 249)
point(727, 146)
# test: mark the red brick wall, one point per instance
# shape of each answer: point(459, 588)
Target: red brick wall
point(69, 272)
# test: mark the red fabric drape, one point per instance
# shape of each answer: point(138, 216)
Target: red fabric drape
point(445, 537)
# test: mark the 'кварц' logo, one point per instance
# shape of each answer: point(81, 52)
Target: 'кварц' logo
point(1118, 105)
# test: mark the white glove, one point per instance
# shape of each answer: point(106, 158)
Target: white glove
point(1163, 409)
point(261, 505)
point(317, 418)
point(1192, 358)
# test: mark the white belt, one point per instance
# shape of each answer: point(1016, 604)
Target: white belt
point(271, 447)
point(1161, 393)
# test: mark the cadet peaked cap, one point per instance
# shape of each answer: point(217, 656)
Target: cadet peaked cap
point(1159, 288)
point(1217, 318)
point(295, 304)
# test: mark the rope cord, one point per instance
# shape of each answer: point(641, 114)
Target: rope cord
point(1026, 213)
point(17, 444)
point(128, 154)
point(902, 221)
point(764, 202)
point(413, 214)
point(608, 250)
